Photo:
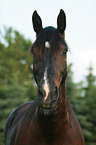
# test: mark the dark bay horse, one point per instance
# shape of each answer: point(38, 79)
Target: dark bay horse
point(50, 119)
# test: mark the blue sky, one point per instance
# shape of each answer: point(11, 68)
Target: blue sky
point(80, 31)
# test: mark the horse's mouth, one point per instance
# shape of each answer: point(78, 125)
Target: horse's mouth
point(48, 109)
point(50, 105)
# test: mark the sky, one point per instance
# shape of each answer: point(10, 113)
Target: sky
point(80, 33)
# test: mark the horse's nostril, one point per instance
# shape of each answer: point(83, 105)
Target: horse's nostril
point(55, 89)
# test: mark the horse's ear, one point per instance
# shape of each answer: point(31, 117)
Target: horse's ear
point(37, 22)
point(61, 22)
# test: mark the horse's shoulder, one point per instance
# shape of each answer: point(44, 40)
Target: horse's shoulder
point(14, 115)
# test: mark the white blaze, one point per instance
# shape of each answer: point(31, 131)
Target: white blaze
point(46, 86)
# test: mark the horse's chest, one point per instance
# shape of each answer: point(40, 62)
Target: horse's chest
point(40, 140)
point(35, 136)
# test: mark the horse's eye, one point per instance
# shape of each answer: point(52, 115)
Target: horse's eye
point(64, 53)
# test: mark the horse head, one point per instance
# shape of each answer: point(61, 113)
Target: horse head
point(49, 61)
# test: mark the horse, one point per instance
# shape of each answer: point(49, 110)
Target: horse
point(49, 119)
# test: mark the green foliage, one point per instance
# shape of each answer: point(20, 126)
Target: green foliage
point(17, 85)
point(90, 107)
point(83, 101)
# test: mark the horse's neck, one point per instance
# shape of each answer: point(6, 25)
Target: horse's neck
point(62, 105)
point(58, 120)
point(62, 102)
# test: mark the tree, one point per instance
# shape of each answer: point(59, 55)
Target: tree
point(83, 101)
point(90, 107)
point(17, 85)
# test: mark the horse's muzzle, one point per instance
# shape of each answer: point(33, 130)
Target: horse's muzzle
point(49, 101)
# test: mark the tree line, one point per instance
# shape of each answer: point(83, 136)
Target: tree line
point(17, 85)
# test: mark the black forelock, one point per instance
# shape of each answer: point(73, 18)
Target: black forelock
point(51, 35)
point(46, 35)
